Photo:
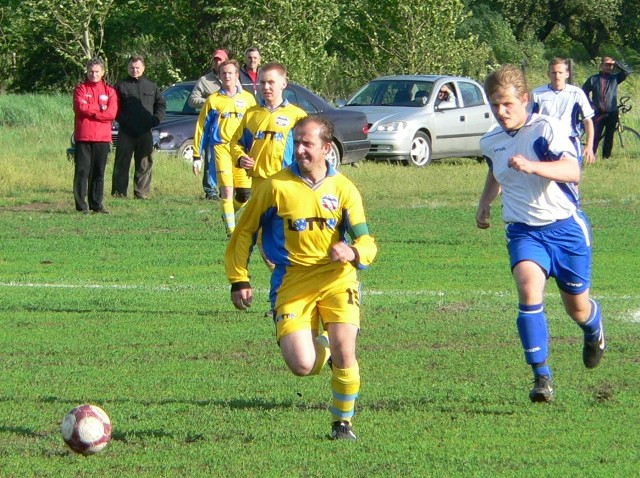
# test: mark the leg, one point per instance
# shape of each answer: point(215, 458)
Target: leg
point(532, 326)
point(586, 313)
point(96, 179)
point(82, 167)
point(224, 175)
point(144, 166)
point(209, 184)
point(598, 126)
point(611, 122)
point(122, 164)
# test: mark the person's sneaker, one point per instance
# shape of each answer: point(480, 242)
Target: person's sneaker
point(342, 430)
point(593, 350)
point(542, 389)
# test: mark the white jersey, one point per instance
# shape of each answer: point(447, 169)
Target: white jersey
point(527, 198)
point(570, 105)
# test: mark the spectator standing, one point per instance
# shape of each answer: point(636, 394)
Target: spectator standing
point(141, 107)
point(250, 71)
point(207, 85)
point(602, 91)
point(567, 103)
point(306, 212)
point(533, 165)
point(95, 105)
point(218, 121)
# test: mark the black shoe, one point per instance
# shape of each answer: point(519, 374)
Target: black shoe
point(542, 389)
point(342, 430)
point(117, 194)
point(83, 211)
point(212, 197)
point(593, 350)
point(100, 211)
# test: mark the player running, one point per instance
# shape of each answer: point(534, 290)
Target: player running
point(306, 212)
point(533, 164)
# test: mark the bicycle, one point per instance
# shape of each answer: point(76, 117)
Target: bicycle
point(625, 133)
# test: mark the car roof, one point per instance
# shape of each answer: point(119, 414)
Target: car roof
point(421, 77)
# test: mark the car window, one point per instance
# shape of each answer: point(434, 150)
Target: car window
point(298, 100)
point(176, 97)
point(392, 93)
point(471, 94)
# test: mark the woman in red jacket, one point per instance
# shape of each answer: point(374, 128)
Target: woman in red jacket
point(95, 105)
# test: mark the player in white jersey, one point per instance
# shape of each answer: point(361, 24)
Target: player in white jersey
point(569, 104)
point(532, 164)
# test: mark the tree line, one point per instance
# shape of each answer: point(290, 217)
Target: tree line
point(331, 46)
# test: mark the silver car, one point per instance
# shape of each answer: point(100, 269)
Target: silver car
point(411, 119)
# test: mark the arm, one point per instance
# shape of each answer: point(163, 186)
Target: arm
point(159, 107)
point(81, 106)
point(109, 108)
point(489, 193)
point(564, 170)
point(588, 147)
point(199, 94)
point(363, 249)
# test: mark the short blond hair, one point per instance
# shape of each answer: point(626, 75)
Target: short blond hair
point(505, 77)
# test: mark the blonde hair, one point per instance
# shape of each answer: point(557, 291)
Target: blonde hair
point(508, 76)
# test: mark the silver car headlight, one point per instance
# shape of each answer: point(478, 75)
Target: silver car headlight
point(392, 127)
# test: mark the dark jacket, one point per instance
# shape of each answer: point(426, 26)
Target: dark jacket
point(602, 89)
point(247, 82)
point(141, 105)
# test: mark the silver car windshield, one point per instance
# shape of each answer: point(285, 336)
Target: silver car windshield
point(393, 93)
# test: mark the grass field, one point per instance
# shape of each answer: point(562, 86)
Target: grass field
point(131, 311)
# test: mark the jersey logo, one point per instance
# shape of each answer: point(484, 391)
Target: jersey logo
point(282, 121)
point(240, 104)
point(330, 203)
point(311, 223)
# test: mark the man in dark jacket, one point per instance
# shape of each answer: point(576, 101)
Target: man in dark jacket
point(141, 106)
point(602, 91)
point(250, 71)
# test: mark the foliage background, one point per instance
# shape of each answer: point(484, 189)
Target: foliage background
point(331, 46)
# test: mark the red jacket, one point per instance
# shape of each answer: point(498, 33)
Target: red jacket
point(95, 105)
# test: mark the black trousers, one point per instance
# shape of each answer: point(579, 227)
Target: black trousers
point(141, 148)
point(606, 122)
point(88, 178)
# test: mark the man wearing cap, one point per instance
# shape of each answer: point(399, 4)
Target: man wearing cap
point(208, 84)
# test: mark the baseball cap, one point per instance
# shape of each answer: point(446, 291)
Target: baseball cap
point(221, 54)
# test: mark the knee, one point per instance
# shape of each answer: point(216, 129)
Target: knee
point(300, 369)
point(242, 195)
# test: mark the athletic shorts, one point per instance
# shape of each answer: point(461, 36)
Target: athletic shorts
point(227, 174)
point(306, 299)
point(561, 249)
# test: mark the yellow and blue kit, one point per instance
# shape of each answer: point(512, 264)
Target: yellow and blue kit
point(267, 136)
point(218, 121)
point(299, 223)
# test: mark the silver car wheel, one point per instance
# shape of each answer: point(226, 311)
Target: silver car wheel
point(333, 156)
point(420, 150)
point(186, 150)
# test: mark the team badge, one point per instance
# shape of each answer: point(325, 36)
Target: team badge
point(282, 121)
point(330, 203)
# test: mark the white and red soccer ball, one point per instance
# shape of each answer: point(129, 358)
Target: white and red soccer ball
point(86, 429)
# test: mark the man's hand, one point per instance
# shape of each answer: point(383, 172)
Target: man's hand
point(197, 166)
point(482, 216)
point(341, 252)
point(246, 162)
point(242, 298)
point(520, 163)
point(588, 156)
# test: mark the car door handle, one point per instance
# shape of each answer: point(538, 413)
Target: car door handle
point(486, 115)
point(463, 118)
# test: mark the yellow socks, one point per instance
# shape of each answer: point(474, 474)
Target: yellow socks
point(228, 214)
point(345, 385)
point(322, 352)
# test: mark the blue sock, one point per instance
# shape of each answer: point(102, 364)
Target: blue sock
point(592, 326)
point(534, 335)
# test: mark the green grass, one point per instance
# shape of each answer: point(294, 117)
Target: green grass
point(131, 311)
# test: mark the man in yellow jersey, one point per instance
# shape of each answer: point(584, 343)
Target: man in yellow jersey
point(218, 121)
point(263, 144)
point(306, 212)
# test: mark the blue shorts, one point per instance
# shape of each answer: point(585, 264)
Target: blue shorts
point(561, 249)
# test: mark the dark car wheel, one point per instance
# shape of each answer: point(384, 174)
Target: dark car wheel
point(420, 155)
point(186, 150)
point(333, 156)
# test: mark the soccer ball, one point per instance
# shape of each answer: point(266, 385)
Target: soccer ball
point(86, 429)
